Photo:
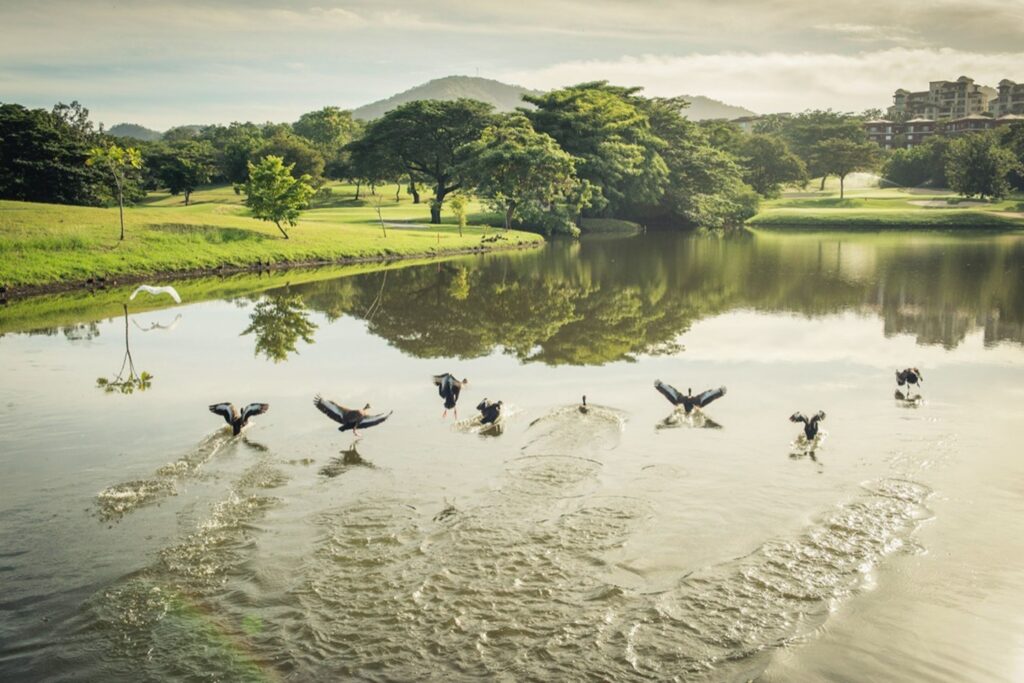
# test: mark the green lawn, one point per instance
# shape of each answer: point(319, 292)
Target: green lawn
point(886, 209)
point(42, 244)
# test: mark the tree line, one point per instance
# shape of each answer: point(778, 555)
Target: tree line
point(589, 150)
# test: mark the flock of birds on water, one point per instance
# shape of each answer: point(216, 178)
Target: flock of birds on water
point(449, 388)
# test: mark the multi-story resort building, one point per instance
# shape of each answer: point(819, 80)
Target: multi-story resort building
point(946, 108)
point(1010, 99)
point(942, 100)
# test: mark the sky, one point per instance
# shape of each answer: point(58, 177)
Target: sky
point(163, 64)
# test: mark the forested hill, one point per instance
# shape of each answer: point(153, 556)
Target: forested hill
point(502, 96)
point(134, 130)
point(706, 108)
point(505, 97)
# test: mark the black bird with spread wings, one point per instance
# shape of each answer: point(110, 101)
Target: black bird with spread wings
point(688, 401)
point(349, 418)
point(810, 424)
point(234, 418)
point(908, 377)
point(449, 389)
point(489, 412)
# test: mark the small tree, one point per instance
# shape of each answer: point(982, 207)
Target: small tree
point(118, 160)
point(841, 157)
point(768, 164)
point(458, 207)
point(274, 195)
point(977, 165)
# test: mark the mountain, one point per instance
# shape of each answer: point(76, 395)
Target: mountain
point(133, 130)
point(503, 96)
point(507, 97)
point(706, 108)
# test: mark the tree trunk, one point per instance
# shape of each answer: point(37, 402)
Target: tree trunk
point(414, 191)
point(188, 195)
point(358, 183)
point(278, 224)
point(435, 206)
point(842, 180)
point(398, 190)
point(823, 182)
point(508, 217)
point(120, 207)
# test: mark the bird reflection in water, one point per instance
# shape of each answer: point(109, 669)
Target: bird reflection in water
point(158, 326)
point(908, 399)
point(347, 460)
point(695, 420)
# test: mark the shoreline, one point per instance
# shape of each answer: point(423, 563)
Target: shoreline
point(101, 283)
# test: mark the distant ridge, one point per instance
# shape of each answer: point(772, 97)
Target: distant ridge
point(134, 130)
point(706, 108)
point(505, 97)
point(502, 96)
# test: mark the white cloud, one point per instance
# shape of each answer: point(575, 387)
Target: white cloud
point(783, 81)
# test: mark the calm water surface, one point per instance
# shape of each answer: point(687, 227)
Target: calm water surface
point(139, 540)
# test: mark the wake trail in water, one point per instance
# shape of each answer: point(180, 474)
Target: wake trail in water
point(118, 500)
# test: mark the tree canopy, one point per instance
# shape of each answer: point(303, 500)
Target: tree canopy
point(422, 138)
point(768, 164)
point(274, 195)
point(841, 157)
point(516, 168)
point(977, 166)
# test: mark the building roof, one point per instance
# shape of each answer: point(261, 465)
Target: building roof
point(920, 120)
point(1010, 117)
point(876, 121)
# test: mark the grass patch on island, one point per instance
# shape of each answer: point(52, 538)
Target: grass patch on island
point(887, 209)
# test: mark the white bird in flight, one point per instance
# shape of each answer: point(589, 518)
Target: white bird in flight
point(156, 291)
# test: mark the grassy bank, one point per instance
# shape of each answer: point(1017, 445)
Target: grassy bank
point(889, 209)
point(46, 244)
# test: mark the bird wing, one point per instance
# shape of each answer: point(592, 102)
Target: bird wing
point(798, 417)
point(254, 409)
point(708, 396)
point(819, 416)
point(901, 377)
point(149, 289)
point(443, 384)
point(225, 410)
point(331, 409)
point(669, 392)
point(373, 420)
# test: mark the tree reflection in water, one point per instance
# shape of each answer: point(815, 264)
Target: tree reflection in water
point(605, 300)
point(278, 322)
point(132, 381)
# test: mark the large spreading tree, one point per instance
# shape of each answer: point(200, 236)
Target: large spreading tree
point(606, 130)
point(840, 157)
point(423, 138)
point(182, 166)
point(515, 167)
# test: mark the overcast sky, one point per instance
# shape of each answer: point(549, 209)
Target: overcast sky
point(162, 64)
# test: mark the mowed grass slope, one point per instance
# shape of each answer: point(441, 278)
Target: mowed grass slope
point(884, 209)
point(43, 244)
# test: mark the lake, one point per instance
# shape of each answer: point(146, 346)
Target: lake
point(140, 540)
